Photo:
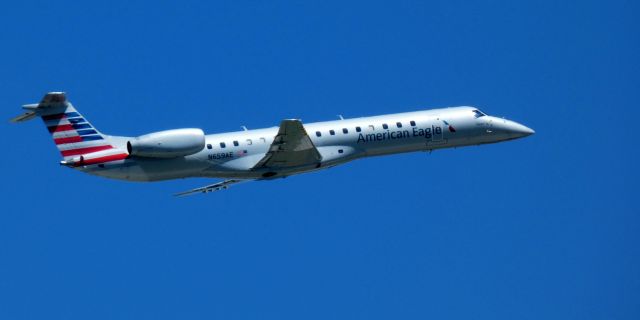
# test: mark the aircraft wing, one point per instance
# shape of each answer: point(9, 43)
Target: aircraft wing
point(291, 147)
point(222, 185)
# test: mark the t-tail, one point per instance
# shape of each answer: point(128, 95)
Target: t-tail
point(78, 141)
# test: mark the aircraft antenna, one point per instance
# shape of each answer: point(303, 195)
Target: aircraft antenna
point(340, 116)
point(244, 128)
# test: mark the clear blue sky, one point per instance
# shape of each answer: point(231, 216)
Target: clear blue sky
point(541, 228)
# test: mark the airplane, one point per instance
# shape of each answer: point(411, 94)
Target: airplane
point(261, 154)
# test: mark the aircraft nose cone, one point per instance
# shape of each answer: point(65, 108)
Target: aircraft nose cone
point(519, 130)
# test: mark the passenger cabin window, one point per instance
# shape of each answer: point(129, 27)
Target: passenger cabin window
point(413, 123)
point(399, 124)
point(263, 140)
point(223, 145)
point(235, 143)
point(331, 132)
point(209, 146)
point(385, 126)
point(372, 127)
point(318, 134)
point(478, 113)
point(345, 131)
point(249, 142)
point(358, 129)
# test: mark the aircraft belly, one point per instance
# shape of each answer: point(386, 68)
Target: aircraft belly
point(148, 169)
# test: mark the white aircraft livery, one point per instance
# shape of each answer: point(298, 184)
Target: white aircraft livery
point(260, 154)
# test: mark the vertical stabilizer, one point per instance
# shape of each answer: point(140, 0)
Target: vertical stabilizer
point(79, 142)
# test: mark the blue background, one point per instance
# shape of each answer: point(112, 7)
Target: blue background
point(545, 227)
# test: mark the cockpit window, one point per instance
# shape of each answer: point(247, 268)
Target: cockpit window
point(477, 113)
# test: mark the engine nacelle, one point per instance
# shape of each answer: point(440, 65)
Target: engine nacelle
point(167, 144)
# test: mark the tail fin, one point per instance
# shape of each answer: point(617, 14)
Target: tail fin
point(78, 141)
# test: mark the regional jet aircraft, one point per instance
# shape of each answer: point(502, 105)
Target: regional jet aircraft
point(261, 154)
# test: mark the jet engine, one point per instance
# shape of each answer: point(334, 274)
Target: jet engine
point(167, 144)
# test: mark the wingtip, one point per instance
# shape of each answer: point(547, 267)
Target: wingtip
point(182, 194)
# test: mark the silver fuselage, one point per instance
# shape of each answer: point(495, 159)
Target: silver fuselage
point(418, 131)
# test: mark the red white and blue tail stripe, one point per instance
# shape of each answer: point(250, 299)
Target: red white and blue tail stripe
point(78, 141)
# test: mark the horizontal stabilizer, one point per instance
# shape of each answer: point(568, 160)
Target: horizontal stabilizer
point(25, 117)
point(51, 99)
